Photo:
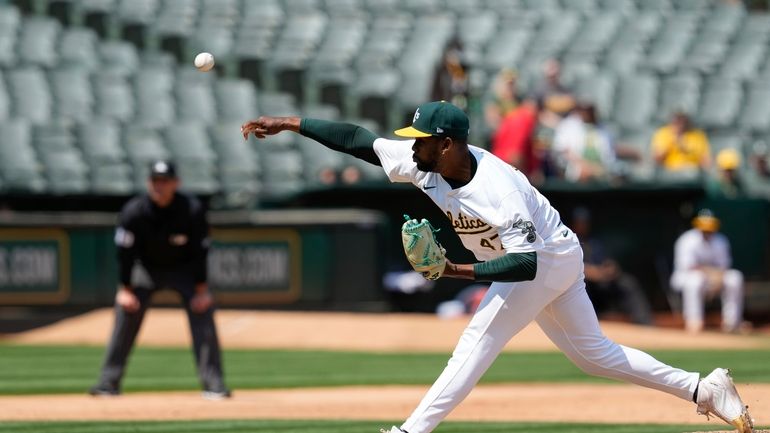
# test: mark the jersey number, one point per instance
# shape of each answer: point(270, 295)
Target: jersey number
point(485, 242)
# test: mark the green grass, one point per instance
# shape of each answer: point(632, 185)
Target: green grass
point(256, 426)
point(68, 369)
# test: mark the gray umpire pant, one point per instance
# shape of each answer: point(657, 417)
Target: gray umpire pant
point(204, 335)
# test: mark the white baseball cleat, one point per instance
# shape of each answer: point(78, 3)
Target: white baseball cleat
point(717, 396)
point(393, 429)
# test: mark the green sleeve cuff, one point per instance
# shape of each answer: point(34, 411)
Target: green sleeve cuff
point(508, 268)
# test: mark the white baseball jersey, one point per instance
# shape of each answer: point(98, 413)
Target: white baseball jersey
point(692, 249)
point(497, 212)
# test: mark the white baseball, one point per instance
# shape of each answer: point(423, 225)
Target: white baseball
point(204, 62)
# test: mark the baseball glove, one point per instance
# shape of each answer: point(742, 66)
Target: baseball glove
point(422, 249)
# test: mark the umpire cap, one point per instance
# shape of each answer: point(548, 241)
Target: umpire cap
point(163, 168)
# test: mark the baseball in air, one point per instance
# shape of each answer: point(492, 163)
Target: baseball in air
point(204, 62)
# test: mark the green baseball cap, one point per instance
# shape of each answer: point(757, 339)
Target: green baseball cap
point(438, 118)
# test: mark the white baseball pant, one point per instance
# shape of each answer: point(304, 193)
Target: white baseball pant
point(557, 300)
point(694, 287)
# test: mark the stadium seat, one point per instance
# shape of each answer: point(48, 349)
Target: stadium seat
point(637, 101)
point(114, 97)
point(189, 140)
point(10, 20)
point(30, 94)
point(38, 39)
point(599, 88)
point(744, 60)
point(720, 103)
point(680, 92)
point(72, 93)
point(506, 49)
point(119, 57)
point(143, 144)
point(5, 99)
point(100, 141)
point(670, 46)
point(66, 172)
point(236, 99)
point(153, 87)
point(283, 173)
point(755, 116)
point(78, 47)
point(19, 166)
point(114, 178)
point(195, 96)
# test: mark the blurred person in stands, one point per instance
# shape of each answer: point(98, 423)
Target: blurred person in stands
point(556, 98)
point(450, 79)
point(726, 182)
point(608, 286)
point(503, 99)
point(582, 147)
point(515, 140)
point(702, 270)
point(680, 146)
point(162, 240)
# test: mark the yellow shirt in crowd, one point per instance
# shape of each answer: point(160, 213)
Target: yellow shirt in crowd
point(687, 151)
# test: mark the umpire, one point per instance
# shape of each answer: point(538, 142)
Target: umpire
point(162, 242)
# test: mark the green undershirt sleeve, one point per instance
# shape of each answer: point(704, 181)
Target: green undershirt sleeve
point(508, 268)
point(342, 137)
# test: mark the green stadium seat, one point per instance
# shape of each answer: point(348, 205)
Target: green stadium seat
point(637, 101)
point(143, 144)
point(10, 20)
point(706, 54)
point(599, 88)
point(72, 93)
point(506, 49)
point(5, 100)
point(755, 116)
point(66, 172)
point(283, 173)
point(744, 60)
point(30, 94)
point(680, 92)
point(114, 96)
point(555, 33)
point(153, 87)
point(119, 57)
point(587, 7)
point(236, 99)
point(20, 168)
point(195, 96)
point(720, 103)
point(595, 35)
point(317, 157)
point(670, 46)
point(100, 141)
point(543, 5)
point(78, 47)
point(627, 7)
point(189, 140)
point(112, 179)
point(658, 6)
point(38, 39)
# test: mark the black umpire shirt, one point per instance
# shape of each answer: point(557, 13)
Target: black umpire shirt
point(163, 239)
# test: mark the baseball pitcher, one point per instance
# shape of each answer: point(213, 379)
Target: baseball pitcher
point(533, 260)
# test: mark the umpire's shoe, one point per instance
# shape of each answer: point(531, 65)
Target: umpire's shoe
point(104, 390)
point(215, 394)
point(717, 396)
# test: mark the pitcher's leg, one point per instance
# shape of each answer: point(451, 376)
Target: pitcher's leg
point(570, 322)
point(506, 309)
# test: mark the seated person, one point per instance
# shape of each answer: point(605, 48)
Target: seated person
point(702, 270)
point(607, 285)
point(679, 146)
